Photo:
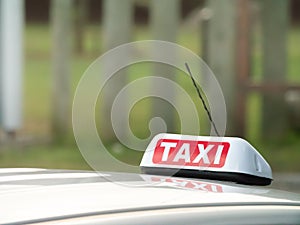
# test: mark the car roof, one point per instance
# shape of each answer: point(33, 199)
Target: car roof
point(33, 194)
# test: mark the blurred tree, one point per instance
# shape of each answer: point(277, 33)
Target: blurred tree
point(275, 22)
point(221, 50)
point(61, 27)
point(165, 16)
point(80, 20)
point(117, 30)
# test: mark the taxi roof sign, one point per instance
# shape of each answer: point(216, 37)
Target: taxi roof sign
point(219, 158)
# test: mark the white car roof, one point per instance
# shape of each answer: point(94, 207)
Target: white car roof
point(35, 194)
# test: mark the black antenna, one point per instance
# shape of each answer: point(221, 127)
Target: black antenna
point(202, 99)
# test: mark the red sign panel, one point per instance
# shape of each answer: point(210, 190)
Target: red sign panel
point(191, 153)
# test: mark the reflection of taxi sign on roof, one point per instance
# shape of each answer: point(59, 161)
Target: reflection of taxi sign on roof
point(221, 158)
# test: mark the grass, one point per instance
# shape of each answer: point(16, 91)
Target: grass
point(37, 103)
point(43, 156)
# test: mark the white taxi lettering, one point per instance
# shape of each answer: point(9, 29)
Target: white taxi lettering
point(191, 153)
point(167, 146)
point(203, 153)
point(183, 153)
point(218, 154)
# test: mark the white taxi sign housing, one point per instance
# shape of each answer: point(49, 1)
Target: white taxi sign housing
point(221, 158)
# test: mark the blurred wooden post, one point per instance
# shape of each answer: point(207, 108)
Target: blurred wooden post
point(165, 17)
point(117, 30)
point(242, 63)
point(206, 15)
point(80, 20)
point(222, 54)
point(11, 64)
point(61, 98)
point(275, 21)
point(117, 19)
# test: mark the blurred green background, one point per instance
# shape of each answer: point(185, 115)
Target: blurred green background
point(38, 142)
